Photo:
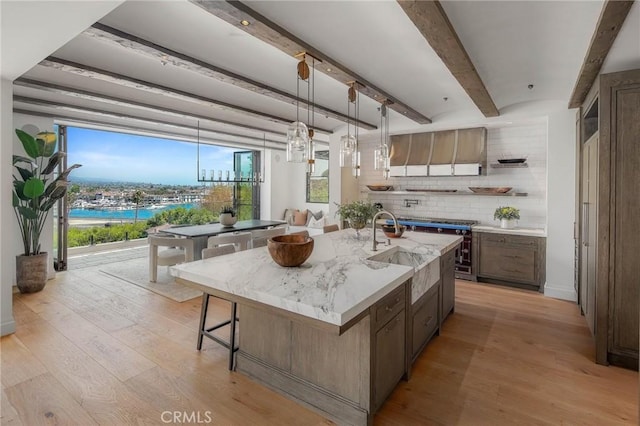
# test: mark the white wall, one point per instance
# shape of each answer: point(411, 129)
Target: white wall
point(561, 205)
point(33, 125)
point(286, 187)
point(525, 139)
point(7, 219)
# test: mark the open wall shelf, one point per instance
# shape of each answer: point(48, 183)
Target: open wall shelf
point(421, 193)
point(508, 166)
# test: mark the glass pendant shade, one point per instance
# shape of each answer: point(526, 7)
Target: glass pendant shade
point(311, 157)
point(297, 142)
point(347, 149)
point(381, 157)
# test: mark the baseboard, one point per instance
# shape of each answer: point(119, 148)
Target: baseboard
point(8, 327)
point(560, 293)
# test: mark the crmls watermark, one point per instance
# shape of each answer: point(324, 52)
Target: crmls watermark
point(186, 417)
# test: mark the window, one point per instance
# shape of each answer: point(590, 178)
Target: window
point(318, 181)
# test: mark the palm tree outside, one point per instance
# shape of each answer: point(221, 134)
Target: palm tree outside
point(137, 198)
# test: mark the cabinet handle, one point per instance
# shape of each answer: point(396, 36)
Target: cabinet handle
point(389, 308)
point(392, 325)
point(428, 321)
point(585, 224)
point(515, 271)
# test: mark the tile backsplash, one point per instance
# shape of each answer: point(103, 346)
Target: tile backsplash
point(515, 141)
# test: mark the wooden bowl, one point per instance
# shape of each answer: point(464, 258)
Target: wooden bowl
point(490, 190)
point(390, 231)
point(290, 250)
point(380, 187)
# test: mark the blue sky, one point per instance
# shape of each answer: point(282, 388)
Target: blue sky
point(132, 158)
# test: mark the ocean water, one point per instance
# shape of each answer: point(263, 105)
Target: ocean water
point(143, 214)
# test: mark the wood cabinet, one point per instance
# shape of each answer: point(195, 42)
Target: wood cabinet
point(425, 319)
point(510, 259)
point(447, 284)
point(609, 219)
point(390, 357)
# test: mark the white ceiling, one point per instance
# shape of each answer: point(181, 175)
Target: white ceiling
point(512, 44)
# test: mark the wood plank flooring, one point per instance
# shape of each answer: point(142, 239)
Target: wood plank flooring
point(91, 349)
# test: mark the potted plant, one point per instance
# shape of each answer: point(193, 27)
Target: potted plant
point(34, 194)
point(507, 216)
point(228, 216)
point(357, 213)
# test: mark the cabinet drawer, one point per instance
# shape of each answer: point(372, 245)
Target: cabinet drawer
point(516, 240)
point(389, 306)
point(508, 263)
point(425, 323)
point(389, 358)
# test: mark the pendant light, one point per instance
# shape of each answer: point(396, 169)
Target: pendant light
point(349, 155)
point(298, 133)
point(381, 154)
point(311, 96)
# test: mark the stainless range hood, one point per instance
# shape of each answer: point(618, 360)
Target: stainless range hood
point(460, 152)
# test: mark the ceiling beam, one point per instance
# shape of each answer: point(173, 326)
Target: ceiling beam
point(431, 20)
point(122, 116)
point(611, 19)
point(180, 60)
point(146, 86)
point(268, 31)
point(112, 100)
point(137, 130)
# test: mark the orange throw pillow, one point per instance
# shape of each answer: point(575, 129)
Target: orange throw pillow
point(300, 218)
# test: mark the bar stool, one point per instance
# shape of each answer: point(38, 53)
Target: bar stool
point(228, 244)
point(259, 236)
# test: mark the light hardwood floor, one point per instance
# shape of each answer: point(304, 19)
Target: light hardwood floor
point(91, 349)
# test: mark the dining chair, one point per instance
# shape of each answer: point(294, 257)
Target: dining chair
point(240, 241)
point(330, 228)
point(179, 250)
point(259, 237)
point(203, 330)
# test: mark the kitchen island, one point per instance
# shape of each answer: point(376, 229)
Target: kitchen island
point(335, 333)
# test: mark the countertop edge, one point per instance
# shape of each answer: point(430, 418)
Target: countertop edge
point(531, 232)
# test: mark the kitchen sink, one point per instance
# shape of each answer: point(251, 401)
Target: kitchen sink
point(400, 256)
point(426, 267)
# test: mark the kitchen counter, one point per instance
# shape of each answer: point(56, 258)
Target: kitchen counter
point(336, 332)
point(336, 283)
point(531, 232)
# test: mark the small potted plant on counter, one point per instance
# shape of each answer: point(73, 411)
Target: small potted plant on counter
point(507, 216)
point(357, 214)
point(228, 216)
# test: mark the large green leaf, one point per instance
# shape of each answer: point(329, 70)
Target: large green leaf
point(20, 159)
point(16, 199)
point(27, 212)
point(55, 196)
point(18, 187)
point(53, 162)
point(24, 173)
point(59, 182)
point(47, 143)
point(64, 174)
point(28, 143)
point(34, 187)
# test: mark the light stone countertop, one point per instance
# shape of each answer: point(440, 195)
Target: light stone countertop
point(336, 283)
point(531, 232)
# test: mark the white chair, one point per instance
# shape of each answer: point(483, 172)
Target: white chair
point(218, 251)
point(180, 250)
point(239, 242)
point(259, 236)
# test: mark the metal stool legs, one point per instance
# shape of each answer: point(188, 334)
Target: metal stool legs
point(202, 332)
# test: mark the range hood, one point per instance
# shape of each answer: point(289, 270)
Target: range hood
point(460, 152)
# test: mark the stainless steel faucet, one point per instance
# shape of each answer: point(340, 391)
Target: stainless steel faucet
point(395, 224)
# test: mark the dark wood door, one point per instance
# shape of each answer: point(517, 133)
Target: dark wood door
point(625, 243)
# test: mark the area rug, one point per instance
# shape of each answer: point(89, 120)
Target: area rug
point(136, 271)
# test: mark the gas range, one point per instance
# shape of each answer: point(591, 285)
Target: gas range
point(456, 224)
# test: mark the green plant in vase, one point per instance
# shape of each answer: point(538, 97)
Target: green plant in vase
point(507, 216)
point(357, 214)
point(228, 216)
point(35, 192)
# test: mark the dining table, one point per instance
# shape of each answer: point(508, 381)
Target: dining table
point(201, 233)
